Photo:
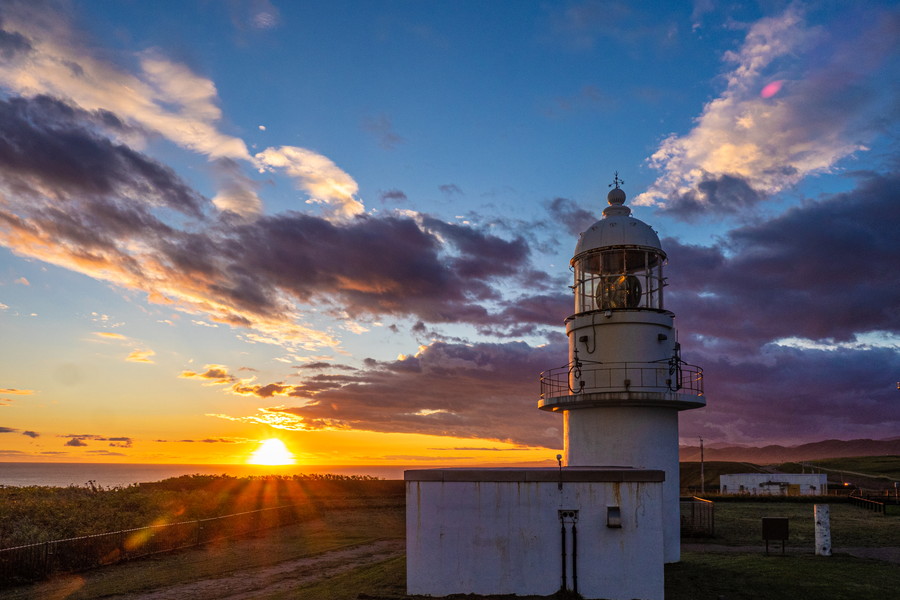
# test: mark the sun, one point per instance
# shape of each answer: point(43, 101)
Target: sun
point(271, 452)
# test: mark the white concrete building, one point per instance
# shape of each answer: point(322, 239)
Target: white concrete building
point(625, 382)
point(535, 531)
point(774, 484)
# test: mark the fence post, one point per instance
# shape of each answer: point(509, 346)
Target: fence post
point(823, 529)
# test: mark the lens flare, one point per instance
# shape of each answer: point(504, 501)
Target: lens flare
point(272, 452)
point(771, 89)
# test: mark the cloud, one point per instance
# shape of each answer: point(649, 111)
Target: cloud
point(8, 430)
point(22, 281)
point(237, 192)
point(213, 375)
point(161, 98)
point(78, 195)
point(383, 129)
point(747, 145)
point(31, 434)
point(16, 392)
point(317, 175)
point(575, 218)
point(244, 273)
point(785, 317)
point(848, 394)
point(483, 390)
point(450, 189)
point(265, 15)
point(255, 15)
point(51, 150)
point(392, 196)
point(164, 97)
point(762, 283)
point(110, 335)
point(80, 440)
point(141, 356)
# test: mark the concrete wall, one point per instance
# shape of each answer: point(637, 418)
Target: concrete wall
point(774, 484)
point(498, 531)
point(643, 437)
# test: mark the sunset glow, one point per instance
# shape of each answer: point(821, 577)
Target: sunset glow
point(272, 452)
point(346, 228)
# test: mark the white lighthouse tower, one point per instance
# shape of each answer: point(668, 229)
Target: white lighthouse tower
point(625, 382)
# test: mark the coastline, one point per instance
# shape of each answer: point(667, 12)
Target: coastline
point(22, 474)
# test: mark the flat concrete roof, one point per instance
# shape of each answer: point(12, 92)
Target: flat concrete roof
point(537, 474)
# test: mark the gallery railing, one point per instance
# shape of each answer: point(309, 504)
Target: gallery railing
point(583, 378)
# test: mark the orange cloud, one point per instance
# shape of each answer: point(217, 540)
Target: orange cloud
point(141, 356)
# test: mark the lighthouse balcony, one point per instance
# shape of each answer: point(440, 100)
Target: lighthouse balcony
point(585, 385)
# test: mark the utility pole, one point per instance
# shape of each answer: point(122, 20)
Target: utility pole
point(702, 474)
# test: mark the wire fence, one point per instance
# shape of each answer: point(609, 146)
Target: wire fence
point(34, 562)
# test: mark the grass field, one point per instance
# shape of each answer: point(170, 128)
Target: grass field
point(732, 565)
point(712, 572)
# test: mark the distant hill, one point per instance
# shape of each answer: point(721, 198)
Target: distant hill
point(780, 454)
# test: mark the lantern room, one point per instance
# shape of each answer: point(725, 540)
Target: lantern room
point(618, 262)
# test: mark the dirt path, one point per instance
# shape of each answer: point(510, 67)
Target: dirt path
point(285, 576)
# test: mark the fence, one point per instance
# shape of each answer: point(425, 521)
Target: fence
point(698, 517)
point(38, 561)
point(872, 505)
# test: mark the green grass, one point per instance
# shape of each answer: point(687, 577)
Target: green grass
point(384, 579)
point(876, 466)
point(733, 574)
point(776, 577)
point(740, 524)
point(329, 531)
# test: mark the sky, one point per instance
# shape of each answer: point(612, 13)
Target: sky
point(348, 225)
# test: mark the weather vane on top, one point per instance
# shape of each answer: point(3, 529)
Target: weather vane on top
point(616, 181)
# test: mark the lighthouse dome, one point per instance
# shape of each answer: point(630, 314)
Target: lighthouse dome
point(617, 228)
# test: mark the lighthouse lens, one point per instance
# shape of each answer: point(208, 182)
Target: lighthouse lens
point(621, 291)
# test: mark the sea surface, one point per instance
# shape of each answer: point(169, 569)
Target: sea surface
point(115, 475)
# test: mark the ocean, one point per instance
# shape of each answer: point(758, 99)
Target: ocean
point(114, 475)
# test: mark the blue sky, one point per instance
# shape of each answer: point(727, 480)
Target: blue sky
point(348, 224)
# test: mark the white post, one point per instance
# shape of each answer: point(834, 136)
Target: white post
point(823, 530)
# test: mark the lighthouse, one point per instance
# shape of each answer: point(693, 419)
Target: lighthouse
point(625, 382)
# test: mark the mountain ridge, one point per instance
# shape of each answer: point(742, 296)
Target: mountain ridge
point(775, 453)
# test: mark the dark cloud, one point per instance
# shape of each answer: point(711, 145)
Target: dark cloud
point(382, 127)
point(790, 396)
point(320, 365)
point(392, 196)
point(47, 143)
point(450, 189)
point(481, 390)
point(31, 434)
point(575, 219)
point(8, 430)
point(81, 439)
point(719, 195)
point(213, 374)
point(12, 44)
point(824, 270)
point(82, 201)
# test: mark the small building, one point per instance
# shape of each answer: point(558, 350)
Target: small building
point(594, 530)
point(774, 484)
